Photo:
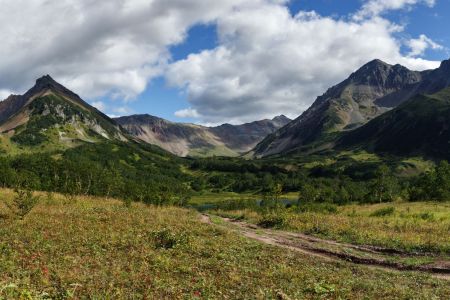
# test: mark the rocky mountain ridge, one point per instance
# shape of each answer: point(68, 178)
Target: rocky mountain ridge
point(372, 90)
point(185, 139)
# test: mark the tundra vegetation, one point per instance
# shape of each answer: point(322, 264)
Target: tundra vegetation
point(98, 248)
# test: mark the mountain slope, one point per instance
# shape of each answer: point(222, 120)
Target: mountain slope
point(51, 140)
point(369, 92)
point(51, 116)
point(195, 140)
point(419, 126)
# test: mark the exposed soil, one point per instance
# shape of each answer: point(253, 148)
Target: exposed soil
point(372, 256)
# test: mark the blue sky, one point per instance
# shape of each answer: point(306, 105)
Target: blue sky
point(213, 62)
point(161, 100)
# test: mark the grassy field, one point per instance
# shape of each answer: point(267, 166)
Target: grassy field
point(99, 249)
point(415, 227)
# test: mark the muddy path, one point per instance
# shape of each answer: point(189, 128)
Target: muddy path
point(371, 256)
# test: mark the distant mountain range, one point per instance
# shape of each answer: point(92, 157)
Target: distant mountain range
point(51, 117)
point(356, 113)
point(195, 140)
point(379, 108)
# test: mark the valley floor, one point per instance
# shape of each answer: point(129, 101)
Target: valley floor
point(100, 249)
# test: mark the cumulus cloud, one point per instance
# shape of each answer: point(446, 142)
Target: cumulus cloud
point(420, 45)
point(269, 62)
point(95, 47)
point(376, 7)
point(187, 113)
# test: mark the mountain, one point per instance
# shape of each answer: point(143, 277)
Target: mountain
point(51, 116)
point(419, 126)
point(369, 92)
point(195, 140)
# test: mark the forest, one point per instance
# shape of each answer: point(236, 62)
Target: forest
point(147, 174)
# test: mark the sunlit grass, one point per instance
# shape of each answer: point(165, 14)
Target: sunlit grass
point(99, 249)
point(420, 227)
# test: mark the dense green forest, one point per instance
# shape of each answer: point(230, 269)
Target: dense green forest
point(148, 174)
point(339, 183)
point(136, 172)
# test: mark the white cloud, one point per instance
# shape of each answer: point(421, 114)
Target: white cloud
point(420, 45)
point(269, 62)
point(376, 7)
point(122, 110)
point(187, 113)
point(4, 94)
point(95, 47)
point(99, 105)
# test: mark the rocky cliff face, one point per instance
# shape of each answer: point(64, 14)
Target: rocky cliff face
point(195, 140)
point(371, 91)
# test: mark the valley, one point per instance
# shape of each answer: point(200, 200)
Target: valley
point(350, 200)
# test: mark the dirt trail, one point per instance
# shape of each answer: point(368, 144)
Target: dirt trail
point(334, 251)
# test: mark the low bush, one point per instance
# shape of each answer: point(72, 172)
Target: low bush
point(166, 239)
point(23, 203)
point(271, 220)
point(425, 216)
point(383, 212)
point(327, 208)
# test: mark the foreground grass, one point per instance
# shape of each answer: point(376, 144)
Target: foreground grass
point(417, 227)
point(99, 249)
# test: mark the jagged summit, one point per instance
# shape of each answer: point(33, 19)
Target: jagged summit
point(48, 84)
point(366, 94)
point(46, 79)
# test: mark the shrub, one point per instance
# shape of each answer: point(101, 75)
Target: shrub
point(383, 212)
point(23, 203)
point(425, 216)
point(327, 208)
point(165, 239)
point(271, 220)
point(127, 202)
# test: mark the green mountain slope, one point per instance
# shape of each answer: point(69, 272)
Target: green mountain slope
point(420, 126)
point(50, 117)
point(51, 140)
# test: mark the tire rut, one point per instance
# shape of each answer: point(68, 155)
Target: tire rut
point(370, 256)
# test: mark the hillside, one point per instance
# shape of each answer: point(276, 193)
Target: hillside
point(194, 140)
point(52, 140)
point(420, 126)
point(368, 93)
point(50, 117)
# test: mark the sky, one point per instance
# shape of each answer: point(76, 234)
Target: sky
point(209, 61)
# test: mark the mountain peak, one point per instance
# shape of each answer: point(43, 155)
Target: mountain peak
point(47, 82)
point(45, 79)
point(373, 65)
point(445, 65)
point(281, 119)
point(376, 62)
